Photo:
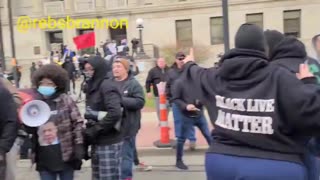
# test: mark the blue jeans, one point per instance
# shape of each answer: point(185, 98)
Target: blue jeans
point(187, 125)
point(224, 167)
point(63, 175)
point(313, 166)
point(127, 157)
point(178, 118)
point(310, 159)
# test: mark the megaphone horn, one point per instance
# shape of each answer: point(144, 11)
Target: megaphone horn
point(35, 113)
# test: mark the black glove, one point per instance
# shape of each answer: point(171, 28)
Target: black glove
point(91, 114)
point(91, 133)
point(94, 115)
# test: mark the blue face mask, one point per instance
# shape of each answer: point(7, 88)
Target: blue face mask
point(46, 90)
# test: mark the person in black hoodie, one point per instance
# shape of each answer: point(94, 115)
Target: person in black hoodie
point(8, 128)
point(103, 131)
point(289, 53)
point(259, 112)
point(173, 74)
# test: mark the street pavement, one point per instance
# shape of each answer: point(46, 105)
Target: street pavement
point(162, 162)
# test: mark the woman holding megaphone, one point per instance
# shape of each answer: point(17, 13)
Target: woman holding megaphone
point(57, 144)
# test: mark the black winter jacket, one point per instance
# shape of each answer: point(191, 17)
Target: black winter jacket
point(184, 96)
point(132, 101)
point(173, 74)
point(8, 120)
point(106, 98)
point(155, 76)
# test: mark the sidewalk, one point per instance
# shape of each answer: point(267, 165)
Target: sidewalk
point(150, 131)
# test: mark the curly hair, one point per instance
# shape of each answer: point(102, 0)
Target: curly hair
point(53, 72)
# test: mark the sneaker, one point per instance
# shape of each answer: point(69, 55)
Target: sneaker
point(181, 165)
point(143, 167)
point(192, 146)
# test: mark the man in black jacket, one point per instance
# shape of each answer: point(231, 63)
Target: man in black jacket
point(173, 74)
point(156, 75)
point(8, 126)
point(132, 100)
point(192, 115)
point(260, 111)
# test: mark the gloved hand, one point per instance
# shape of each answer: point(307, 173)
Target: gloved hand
point(94, 115)
point(91, 133)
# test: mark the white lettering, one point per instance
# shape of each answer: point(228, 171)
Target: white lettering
point(250, 124)
point(236, 118)
point(270, 106)
point(252, 107)
point(240, 104)
point(267, 125)
point(219, 101)
point(255, 125)
point(261, 104)
point(220, 120)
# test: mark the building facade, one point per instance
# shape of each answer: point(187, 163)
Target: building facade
point(167, 23)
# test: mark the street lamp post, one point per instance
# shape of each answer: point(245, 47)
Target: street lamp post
point(141, 54)
point(225, 25)
point(3, 61)
point(14, 60)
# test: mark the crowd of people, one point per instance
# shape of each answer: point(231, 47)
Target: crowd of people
point(262, 98)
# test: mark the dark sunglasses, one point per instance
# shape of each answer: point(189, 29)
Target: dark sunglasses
point(181, 58)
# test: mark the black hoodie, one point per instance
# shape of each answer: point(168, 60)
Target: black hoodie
point(101, 96)
point(289, 54)
point(258, 110)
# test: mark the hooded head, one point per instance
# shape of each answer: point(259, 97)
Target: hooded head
point(273, 39)
point(250, 36)
point(282, 47)
point(95, 68)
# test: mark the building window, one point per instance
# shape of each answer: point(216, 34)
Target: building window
point(216, 30)
point(184, 33)
point(291, 22)
point(256, 19)
point(55, 37)
point(36, 50)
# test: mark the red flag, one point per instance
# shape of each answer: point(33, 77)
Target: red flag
point(85, 41)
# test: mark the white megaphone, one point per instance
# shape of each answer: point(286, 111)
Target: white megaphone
point(35, 113)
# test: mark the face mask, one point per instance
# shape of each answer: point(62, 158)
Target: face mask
point(46, 90)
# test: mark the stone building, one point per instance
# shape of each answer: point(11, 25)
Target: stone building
point(167, 23)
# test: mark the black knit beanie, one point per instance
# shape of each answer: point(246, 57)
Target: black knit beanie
point(250, 36)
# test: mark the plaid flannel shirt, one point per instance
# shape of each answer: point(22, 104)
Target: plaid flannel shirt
point(70, 125)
